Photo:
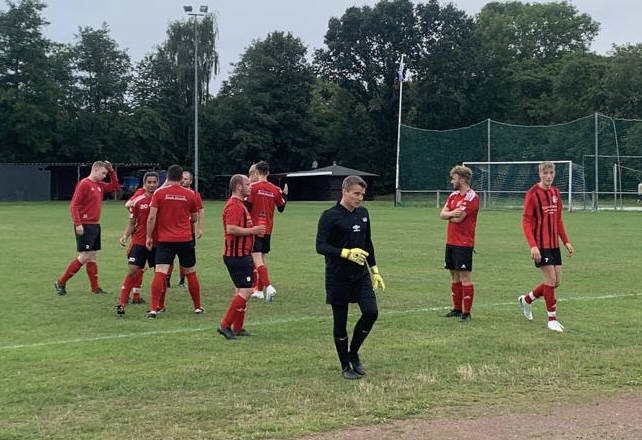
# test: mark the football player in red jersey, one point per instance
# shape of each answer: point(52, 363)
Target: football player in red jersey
point(86, 206)
point(460, 211)
point(138, 256)
point(543, 227)
point(263, 198)
point(238, 232)
point(173, 211)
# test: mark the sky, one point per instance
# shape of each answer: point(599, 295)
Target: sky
point(138, 26)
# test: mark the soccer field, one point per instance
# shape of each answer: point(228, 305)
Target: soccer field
point(72, 369)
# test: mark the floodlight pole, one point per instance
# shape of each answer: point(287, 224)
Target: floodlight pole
point(203, 11)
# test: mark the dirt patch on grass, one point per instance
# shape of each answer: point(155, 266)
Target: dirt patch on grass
point(616, 419)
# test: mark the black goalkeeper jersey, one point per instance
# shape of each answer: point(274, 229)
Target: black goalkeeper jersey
point(340, 229)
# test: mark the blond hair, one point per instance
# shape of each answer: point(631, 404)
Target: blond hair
point(463, 172)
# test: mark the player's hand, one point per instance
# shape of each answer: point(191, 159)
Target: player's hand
point(80, 230)
point(199, 233)
point(285, 189)
point(377, 280)
point(569, 248)
point(259, 230)
point(123, 241)
point(535, 255)
point(356, 255)
point(110, 167)
point(149, 243)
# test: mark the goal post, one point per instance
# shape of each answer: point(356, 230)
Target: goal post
point(504, 184)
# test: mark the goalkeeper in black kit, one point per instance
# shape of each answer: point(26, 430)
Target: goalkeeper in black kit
point(351, 273)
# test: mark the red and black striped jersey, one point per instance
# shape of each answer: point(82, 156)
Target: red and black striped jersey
point(235, 213)
point(542, 219)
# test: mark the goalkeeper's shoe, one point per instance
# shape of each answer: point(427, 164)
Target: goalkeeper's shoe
point(60, 288)
point(465, 317)
point(356, 364)
point(526, 308)
point(453, 314)
point(120, 310)
point(349, 373)
point(555, 326)
point(151, 314)
point(226, 332)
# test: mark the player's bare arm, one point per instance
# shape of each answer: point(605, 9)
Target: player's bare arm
point(129, 230)
point(238, 230)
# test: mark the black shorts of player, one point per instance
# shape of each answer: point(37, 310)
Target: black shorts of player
point(240, 269)
point(262, 244)
point(139, 255)
point(550, 257)
point(459, 258)
point(166, 251)
point(344, 292)
point(89, 240)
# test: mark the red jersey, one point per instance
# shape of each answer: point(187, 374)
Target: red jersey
point(542, 219)
point(175, 205)
point(235, 213)
point(463, 233)
point(264, 197)
point(139, 210)
point(87, 201)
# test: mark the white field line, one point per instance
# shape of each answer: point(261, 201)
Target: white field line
point(284, 321)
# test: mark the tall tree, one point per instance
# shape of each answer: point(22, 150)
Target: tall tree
point(265, 105)
point(102, 72)
point(30, 95)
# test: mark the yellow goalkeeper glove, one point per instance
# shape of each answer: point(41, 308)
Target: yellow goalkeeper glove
point(355, 255)
point(377, 280)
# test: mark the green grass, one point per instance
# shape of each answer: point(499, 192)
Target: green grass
point(72, 369)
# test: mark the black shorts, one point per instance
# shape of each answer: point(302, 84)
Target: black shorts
point(139, 255)
point(240, 269)
point(262, 244)
point(550, 257)
point(166, 251)
point(344, 292)
point(459, 258)
point(89, 240)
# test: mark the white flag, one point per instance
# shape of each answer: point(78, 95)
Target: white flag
point(401, 73)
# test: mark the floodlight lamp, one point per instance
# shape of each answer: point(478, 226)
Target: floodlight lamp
point(187, 8)
point(203, 9)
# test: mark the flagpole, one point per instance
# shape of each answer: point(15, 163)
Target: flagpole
point(401, 78)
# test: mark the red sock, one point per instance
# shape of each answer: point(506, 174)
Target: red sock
point(92, 274)
point(457, 295)
point(468, 293)
point(549, 298)
point(237, 325)
point(73, 267)
point(264, 279)
point(255, 280)
point(128, 283)
point(194, 287)
point(159, 283)
point(138, 282)
point(537, 292)
point(230, 316)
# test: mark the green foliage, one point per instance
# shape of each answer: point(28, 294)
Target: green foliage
point(73, 369)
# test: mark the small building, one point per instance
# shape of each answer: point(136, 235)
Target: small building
point(325, 183)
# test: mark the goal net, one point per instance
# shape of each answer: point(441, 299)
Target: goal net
point(504, 184)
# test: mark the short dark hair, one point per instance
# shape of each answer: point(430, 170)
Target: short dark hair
point(174, 173)
point(237, 179)
point(263, 168)
point(150, 174)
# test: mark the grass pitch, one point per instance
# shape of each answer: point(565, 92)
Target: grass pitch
point(72, 369)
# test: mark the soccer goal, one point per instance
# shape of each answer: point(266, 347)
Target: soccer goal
point(504, 184)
